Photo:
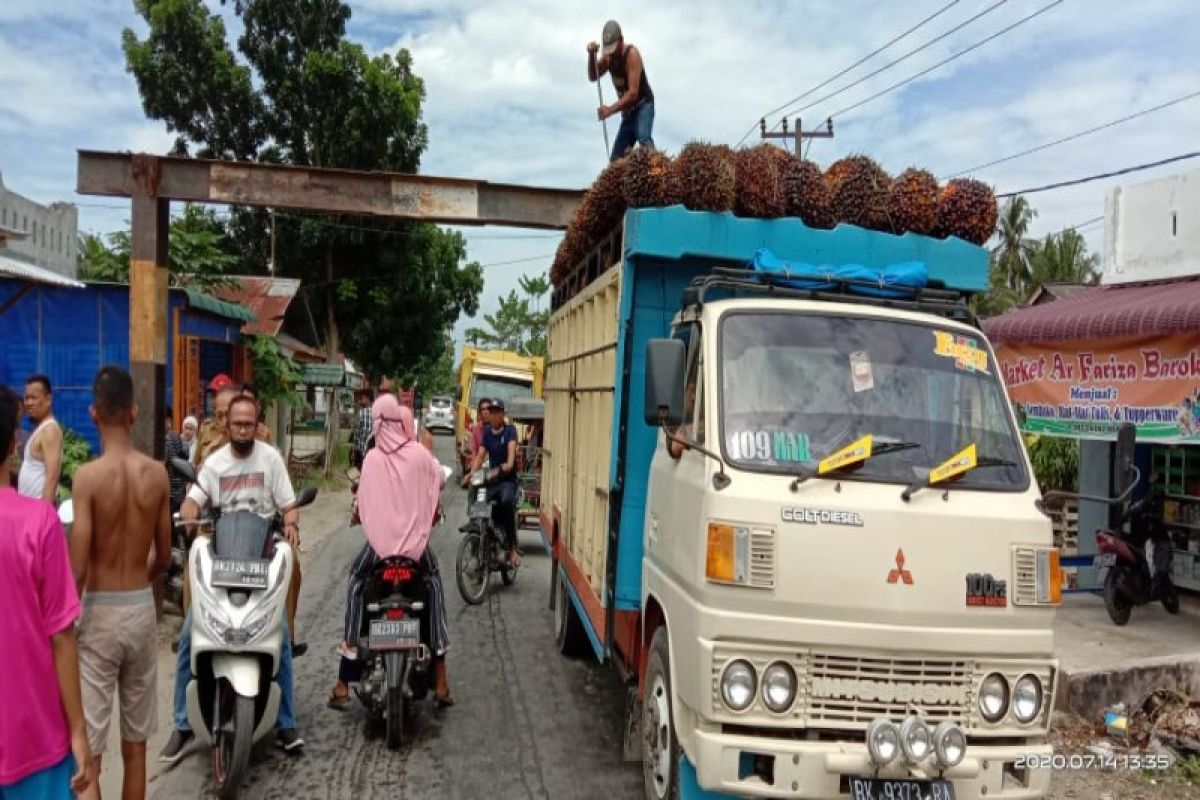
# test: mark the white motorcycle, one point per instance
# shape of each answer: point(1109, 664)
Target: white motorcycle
point(239, 580)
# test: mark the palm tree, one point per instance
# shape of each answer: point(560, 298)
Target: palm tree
point(1063, 258)
point(1012, 257)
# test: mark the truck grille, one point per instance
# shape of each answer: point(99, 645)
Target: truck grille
point(850, 691)
point(1024, 576)
point(762, 558)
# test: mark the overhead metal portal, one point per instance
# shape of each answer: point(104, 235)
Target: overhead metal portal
point(152, 182)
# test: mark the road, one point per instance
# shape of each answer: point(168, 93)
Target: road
point(528, 723)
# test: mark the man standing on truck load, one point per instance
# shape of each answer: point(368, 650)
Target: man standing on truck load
point(499, 446)
point(635, 98)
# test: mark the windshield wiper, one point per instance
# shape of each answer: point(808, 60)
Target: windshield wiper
point(883, 448)
point(981, 461)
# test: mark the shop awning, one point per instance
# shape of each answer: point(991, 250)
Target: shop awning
point(1157, 309)
point(223, 308)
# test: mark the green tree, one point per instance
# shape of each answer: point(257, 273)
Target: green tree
point(199, 253)
point(1064, 258)
point(298, 92)
point(515, 325)
point(1012, 257)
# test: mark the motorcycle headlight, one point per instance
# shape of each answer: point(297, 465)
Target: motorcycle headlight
point(737, 685)
point(993, 697)
point(915, 740)
point(216, 623)
point(883, 742)
point(1027, 699)
point(257, 623)
point(778, 687)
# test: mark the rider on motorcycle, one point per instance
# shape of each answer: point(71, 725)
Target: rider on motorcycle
point(241, 476)
point(499, 447)
point(397, 501)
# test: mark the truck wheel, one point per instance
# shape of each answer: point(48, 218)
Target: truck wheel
point(569, 634)
point(1119, 607)
point(660, 748)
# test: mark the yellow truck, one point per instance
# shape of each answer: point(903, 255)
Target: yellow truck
point(494, 374)
point(842, 584)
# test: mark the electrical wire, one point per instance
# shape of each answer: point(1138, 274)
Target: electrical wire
point(858, 63)
point(1100, 176)
point(946, 61)
point(902, 58)
point(385, 278)
point(1078, 135)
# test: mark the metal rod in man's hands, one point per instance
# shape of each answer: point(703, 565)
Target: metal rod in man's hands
point(603, 122)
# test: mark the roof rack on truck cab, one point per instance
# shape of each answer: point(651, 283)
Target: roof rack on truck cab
point(741, 282)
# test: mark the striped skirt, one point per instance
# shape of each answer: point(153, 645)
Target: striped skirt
point(360, 570)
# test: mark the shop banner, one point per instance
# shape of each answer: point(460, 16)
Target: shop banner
point(1087, 389)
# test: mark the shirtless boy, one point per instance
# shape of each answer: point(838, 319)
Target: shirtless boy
point(120, 544)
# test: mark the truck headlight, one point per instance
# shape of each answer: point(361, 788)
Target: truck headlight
point(737, 685)
point(883, 742)
point(1027, 699)
point(993, 697)
point(915, 740)
point(949, 744)
point(778, 687)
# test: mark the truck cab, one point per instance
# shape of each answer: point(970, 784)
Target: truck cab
point(845, 539)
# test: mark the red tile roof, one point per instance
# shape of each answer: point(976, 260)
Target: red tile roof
point(268, 298)
point(1164, 307)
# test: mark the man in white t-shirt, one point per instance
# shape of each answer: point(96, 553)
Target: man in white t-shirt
point(242, 475)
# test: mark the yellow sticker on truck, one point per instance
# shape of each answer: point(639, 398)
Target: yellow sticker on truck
point(852, 453)
point(957, 464)
point(965, 351)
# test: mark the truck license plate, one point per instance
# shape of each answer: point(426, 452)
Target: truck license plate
point(240, 573)
point(900, 789)
point(1105, 560)
point(395, 634)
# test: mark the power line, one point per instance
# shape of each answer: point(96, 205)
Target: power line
point(858, 63)
point(904, 57)
point(943, 62)
point(1078, 135)
point(1136, 168)
point(392, 277)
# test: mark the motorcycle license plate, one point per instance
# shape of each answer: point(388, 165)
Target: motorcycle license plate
point(900, 789)
point(240, 573)
point(395, 634)
point(1105, 560)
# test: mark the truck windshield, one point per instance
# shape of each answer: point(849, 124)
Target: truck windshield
point(495, 387)
point(796, 387)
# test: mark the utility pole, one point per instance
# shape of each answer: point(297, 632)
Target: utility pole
point(799, 135)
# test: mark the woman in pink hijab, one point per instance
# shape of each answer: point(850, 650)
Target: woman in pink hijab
point(397, 501)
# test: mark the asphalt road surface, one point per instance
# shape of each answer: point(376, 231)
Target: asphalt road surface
point(528, 723)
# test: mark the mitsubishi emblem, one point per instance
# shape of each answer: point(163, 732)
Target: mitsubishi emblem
point(900, 573)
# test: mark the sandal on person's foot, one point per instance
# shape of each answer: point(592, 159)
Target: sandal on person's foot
point(338, 702)
point(444, 700)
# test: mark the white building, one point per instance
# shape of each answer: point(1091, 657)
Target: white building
point(50, 232)
point(1152, 230)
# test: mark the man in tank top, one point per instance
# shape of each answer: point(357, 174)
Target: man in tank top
point(635, 98)
point(41, 463)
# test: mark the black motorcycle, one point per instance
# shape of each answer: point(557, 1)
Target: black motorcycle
point(396, 662)
point(481, 551)
point(1131, 580)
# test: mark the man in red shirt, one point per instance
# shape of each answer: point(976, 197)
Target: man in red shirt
point(44, 750)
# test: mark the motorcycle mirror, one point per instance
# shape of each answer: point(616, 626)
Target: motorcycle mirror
point(184, 468)
point(1122, 475)
point(306, 497)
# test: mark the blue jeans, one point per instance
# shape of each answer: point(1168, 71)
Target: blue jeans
point(635, 129)
point(183, 676)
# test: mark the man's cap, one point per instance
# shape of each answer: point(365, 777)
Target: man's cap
point(612, 32)
point(498, 403)
point(221, 381)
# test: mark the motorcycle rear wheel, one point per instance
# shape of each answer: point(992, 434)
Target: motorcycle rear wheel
point(395, 718)
point(472, 570)
point(231, 750)
point(1119, 607)
point(1170, 598)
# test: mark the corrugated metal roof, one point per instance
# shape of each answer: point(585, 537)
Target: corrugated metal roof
point(23, 270)
point(268, 298)
point(198, 299)
point(1100, 312)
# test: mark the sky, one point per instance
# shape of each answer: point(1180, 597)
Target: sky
point(508, 99)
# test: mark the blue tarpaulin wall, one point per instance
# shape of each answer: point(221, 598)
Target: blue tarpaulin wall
point(68, 334)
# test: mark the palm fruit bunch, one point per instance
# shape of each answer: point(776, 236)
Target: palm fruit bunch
point(705, 177)
point(913, 202)
point(569, 252)
point(648, 179)
point(805, 193)
point(858, 191)
point(967, 209)
point(759, 188)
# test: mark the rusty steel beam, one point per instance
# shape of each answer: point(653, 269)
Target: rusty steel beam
point(379, 194)
point(148, 304)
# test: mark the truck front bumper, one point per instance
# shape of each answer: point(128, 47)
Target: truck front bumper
point(821, 769)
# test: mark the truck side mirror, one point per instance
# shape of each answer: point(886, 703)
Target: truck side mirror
point(664, 381)
point(1123, 472)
